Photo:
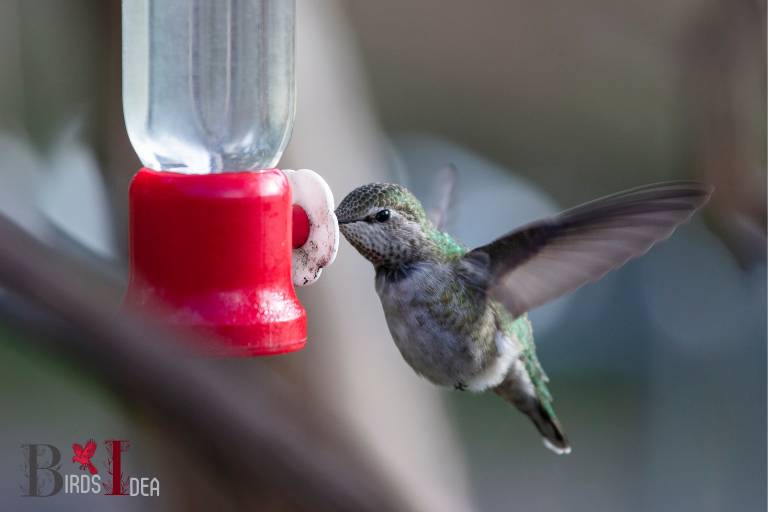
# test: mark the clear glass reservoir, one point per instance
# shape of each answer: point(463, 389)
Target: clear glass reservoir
point(208, 85)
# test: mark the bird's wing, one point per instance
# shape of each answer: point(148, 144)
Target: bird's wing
point(551, 257)
point(445, 184)
point(90, 448)
point(77, 449)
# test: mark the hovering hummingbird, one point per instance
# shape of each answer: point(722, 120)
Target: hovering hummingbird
point(458, 316)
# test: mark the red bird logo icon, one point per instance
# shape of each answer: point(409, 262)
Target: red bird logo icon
point(83, 455)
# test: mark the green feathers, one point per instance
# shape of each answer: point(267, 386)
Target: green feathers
point(446, 246)
point(522, 330)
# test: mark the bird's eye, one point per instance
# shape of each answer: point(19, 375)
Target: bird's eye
point(382, 216)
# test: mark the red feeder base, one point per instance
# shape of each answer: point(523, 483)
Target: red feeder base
point(214, 252)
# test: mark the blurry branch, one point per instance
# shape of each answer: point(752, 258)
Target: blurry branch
point(270, 450)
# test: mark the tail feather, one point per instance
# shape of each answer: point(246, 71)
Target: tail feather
point(550, 429)
point(523, 396)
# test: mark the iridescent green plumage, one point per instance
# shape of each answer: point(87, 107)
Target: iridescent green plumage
point(522, 329)
point(446, 245)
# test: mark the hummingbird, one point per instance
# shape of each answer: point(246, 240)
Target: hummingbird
point(459, 316)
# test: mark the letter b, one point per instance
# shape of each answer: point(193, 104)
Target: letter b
point(34, 470)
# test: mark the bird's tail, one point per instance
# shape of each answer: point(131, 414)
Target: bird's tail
point(550, 429)
point(539, 410)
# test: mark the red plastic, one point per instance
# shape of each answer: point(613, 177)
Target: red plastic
point(300, 230)
point(214, 251)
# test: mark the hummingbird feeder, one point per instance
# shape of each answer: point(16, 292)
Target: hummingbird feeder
point(218, 235)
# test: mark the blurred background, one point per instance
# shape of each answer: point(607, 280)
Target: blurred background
point(659, 370)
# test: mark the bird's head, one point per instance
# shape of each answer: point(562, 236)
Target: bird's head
point(386, 224)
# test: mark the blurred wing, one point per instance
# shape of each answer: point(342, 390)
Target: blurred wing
point(77, 449)
point(549, 258)
point(446, 183)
